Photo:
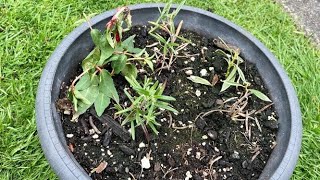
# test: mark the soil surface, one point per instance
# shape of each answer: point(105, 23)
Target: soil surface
point(187, 147)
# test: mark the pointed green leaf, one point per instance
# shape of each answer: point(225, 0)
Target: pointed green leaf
point(90, 61)
point(153, 128)
point(119, 64)
point(139, 52)
point(107, 87)
point(96, 37)
point(80, 96)
point(130, 70)
point(241, 75)
point(89, 95)
point(84, 82)
point(133, 82)
point(101, 103)
point(260, 95)
point(114, 57)
point(232, 74)
point(133, 133)
point(82, 108)
point(128, 43)
point(199, 80)
point(109, 39)
point(123, 111)
point(106, 52)
point(165, 105)
point(142, 91)
point(128, 95)
point(166, 98)
point(226, 84)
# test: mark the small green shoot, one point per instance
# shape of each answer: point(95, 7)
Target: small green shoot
point(234, 75)
point(145, 106)
point(169, 47)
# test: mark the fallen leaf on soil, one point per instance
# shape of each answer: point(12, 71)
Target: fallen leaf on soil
point(100, 168)
point(71, 147)
point(215, 79)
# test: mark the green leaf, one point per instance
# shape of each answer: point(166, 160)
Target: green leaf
point(128, 43)
point(123, 111)
point(90, 61)
point(226, 84)
point(158, 37)
point(90, 94)
point(142, 91)
point(80, 96)
point(260, 95)
point(130, 70)
point(107, 87)
point(139, 52)
point(109, 39)
point(166, 98)
point(96, 37)
point(133, 82)
point(133, 133)
point(83, 83)
point(150, 63)
point(165, 105)
point(105, 48)
point(119, 64)
point(106, 52)
point(241, 75)
point(128, 95)
point(153, 128)
point(114, 57)
point(82, 108)
point(199, 80)
point(232, 74)
point(101, 103)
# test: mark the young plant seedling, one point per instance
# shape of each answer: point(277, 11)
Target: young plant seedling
point(94, 86)
point(234, 75)
point(169, 47)
point(145, 106)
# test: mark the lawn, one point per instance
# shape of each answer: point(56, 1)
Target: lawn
point(31, 29)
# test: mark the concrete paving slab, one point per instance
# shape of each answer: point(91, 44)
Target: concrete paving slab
point(306, 13)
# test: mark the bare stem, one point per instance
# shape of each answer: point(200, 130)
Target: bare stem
point(77, 78)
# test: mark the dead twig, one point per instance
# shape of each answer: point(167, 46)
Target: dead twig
point(264, 108)
point(93, 125)
point(170, 119)
point(258, 124)
point(255, 155)
point(84, 125)
point(170, 170)
point(132, 176)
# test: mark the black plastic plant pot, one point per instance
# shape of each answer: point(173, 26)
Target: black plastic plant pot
point(75, 47)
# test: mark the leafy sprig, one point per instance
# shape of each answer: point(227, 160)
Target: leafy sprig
point(234, 75)
point(95, 85)
point(145, 106)
point(169, 47)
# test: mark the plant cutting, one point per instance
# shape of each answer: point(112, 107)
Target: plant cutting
point(112, 109)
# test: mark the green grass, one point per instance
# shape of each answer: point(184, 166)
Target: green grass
point(30, 30)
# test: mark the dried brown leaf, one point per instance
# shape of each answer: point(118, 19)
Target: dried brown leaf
point(100, 168)
point(71, 147)
point(215, 79)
